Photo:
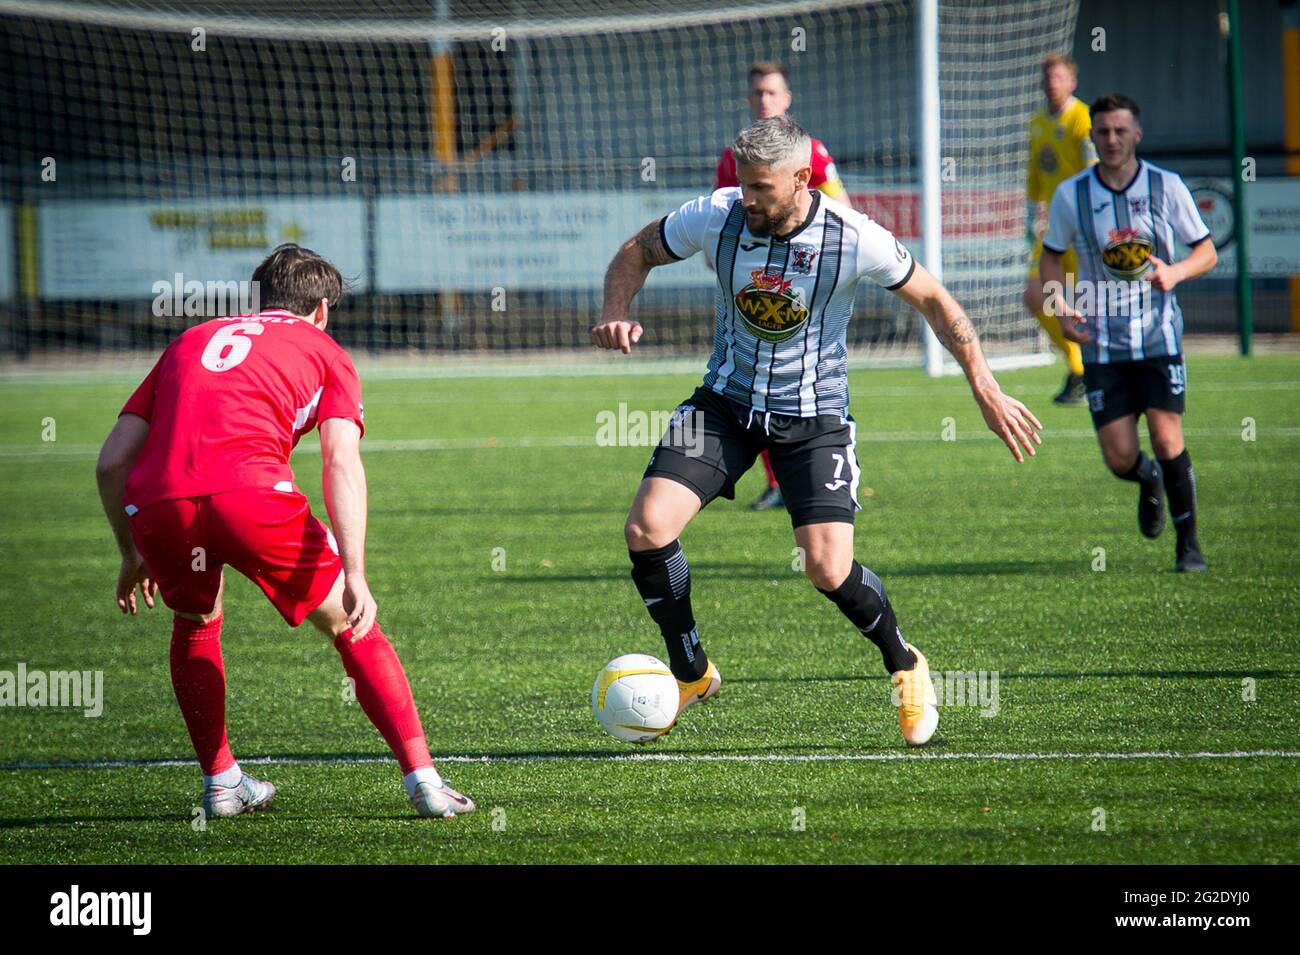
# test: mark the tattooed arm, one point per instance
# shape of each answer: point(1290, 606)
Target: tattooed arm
point(624, 278)
point(951, 326)
point(1006, 417)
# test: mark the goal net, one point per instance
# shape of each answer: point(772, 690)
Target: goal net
point(472, 167)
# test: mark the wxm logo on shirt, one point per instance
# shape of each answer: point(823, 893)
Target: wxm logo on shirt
point(771, 306)
point(1126, 253)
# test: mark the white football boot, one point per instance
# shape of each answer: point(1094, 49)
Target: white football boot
point(440, 802)
point(248, 795)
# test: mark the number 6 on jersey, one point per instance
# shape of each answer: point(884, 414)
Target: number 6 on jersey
point(216, 357)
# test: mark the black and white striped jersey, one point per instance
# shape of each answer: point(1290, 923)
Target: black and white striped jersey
point(783, 302)
point(1115, 233)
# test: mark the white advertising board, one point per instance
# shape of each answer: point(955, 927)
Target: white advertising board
point(118, 249)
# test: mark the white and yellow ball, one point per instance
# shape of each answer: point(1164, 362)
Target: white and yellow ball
point(635, 698)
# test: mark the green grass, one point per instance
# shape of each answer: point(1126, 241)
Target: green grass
point(989, 564)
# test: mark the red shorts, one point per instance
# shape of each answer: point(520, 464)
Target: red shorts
point(268, 536)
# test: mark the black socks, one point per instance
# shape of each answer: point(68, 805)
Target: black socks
point(663, 578)
point(1180, 488)
point(1143, 471)
point(862, 599)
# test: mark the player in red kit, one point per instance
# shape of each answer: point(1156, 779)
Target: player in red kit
point(770, 95)
point(195, 475)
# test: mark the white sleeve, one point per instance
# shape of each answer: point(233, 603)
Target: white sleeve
point(1180, 208)
point(881, 257)
point(684, 230)
point(1061, 220)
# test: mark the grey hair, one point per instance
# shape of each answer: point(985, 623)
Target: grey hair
point(776, 141)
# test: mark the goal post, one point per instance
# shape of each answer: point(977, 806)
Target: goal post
point(929, 155)
point(472, 167)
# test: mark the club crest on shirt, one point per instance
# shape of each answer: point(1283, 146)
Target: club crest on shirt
point(772, 307)
point(1126, 254)
point(1047, 159)
point(802, 258)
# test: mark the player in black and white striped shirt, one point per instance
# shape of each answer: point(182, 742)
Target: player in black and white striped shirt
point(1122, 216)
point(788, 261)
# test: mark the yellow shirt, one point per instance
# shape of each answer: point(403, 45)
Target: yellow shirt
point(1059, 147)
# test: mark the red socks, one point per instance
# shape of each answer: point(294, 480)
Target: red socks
point(199, 679)
point(767, 466)
point(385, 695)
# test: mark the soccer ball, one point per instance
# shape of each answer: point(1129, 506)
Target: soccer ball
point(635, 698)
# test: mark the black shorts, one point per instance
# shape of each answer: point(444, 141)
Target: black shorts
point(1131, 387)
point(712, 441)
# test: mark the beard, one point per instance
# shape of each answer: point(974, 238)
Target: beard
point(760, 224)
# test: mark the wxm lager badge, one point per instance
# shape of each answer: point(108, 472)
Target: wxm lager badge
point(1126, 253)
point(771, 306)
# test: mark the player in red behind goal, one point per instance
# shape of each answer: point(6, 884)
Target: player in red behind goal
point(195, 475)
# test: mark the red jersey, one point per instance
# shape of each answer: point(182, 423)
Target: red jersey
point(229, 399)
point(823, 168)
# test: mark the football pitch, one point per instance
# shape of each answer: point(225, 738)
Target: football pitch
point(1113, 711)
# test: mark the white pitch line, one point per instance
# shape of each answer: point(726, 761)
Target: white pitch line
point(455, 370)
point(665, 758)
point(379, 445)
